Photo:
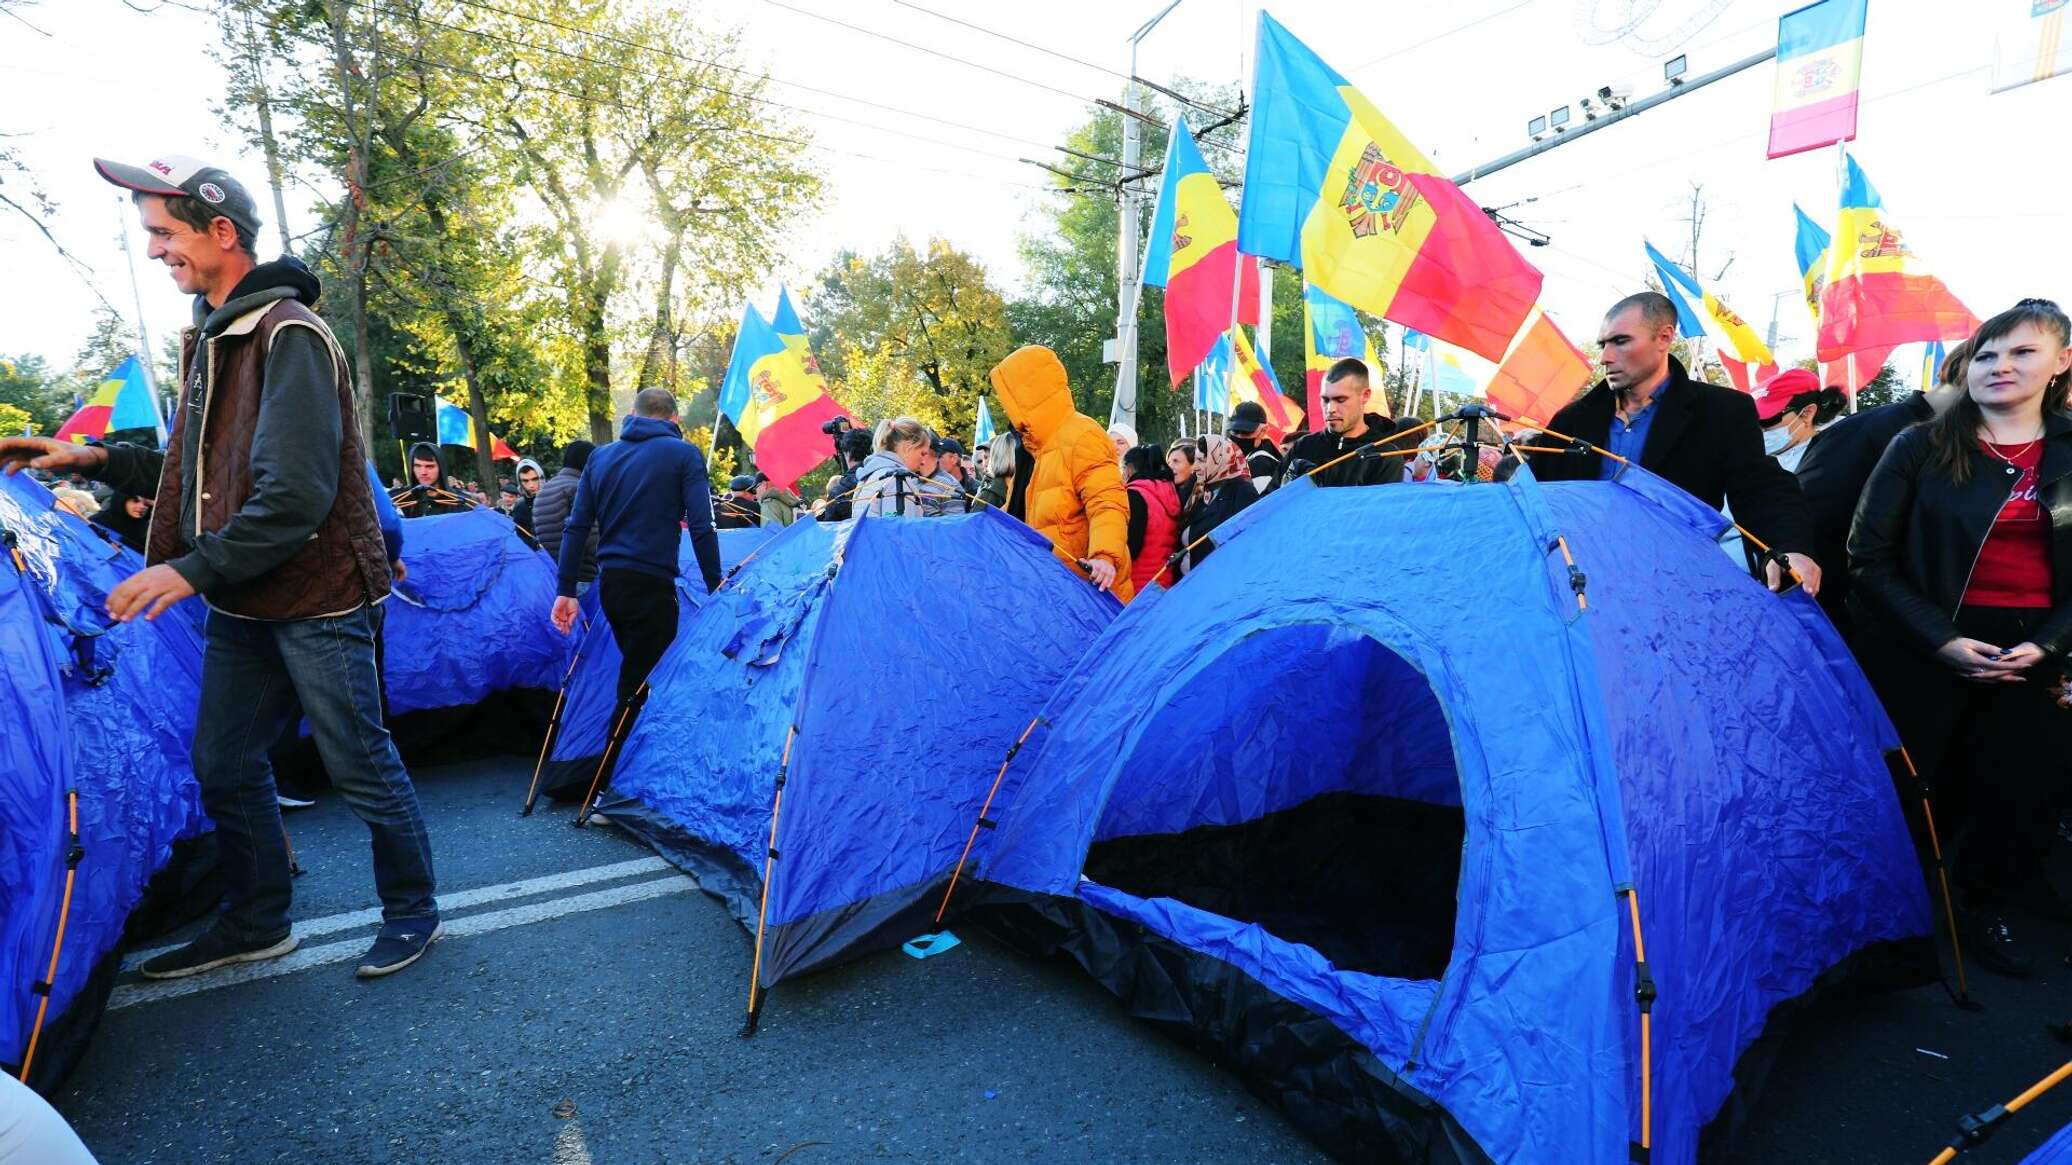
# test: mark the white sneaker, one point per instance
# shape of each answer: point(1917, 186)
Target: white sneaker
point(288, 802)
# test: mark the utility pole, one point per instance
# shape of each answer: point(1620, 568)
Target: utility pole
point(1129, 253)
point(143, 335)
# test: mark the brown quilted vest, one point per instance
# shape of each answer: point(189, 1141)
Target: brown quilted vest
point(344, 565)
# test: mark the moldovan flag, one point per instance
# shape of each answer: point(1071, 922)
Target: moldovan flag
point(1811, 250)
point(1819, 70)
point(776, 403)
point(788, 328)
point(121, 401)
point(1879, 294)
point(1192, 253)
point(1332, 187)
point(457, 427)
point(1252, 381)
point(2030, 42)
point(1332, 332)
point(1747, 359)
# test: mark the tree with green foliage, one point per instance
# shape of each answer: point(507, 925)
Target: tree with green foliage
point(30, 388)
point(909, 332)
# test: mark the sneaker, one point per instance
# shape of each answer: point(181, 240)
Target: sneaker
point(1990, 943)
point(393, 952)
point(598, 818)
point(288, 802)
point(214, 949)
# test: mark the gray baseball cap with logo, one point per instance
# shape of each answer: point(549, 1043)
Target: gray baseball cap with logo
point(176, 176)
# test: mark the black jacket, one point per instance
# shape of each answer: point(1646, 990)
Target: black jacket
point(1916, 538)
point(1705, 440)
point(841, 491)
point(731, 513)
point(1323, 447)
point(550, 509)
point(1837, 464)
point(1224, 500)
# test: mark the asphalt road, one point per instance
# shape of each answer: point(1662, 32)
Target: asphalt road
point(585, 1010)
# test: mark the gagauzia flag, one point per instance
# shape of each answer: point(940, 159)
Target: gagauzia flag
point(1334, 188)
point(1819, 73)
point(985, 431)
point(1879, 294)
point(1331, 332)
point(121, 401)
point(1192, 253)
point(776, 402)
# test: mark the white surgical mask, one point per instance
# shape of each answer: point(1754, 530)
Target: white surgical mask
point(1777, 440)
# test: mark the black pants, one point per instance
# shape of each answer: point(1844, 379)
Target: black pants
point(1994, 755)
point(642, 611)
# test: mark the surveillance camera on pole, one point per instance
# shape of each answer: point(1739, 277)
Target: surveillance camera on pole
point(1615, 97)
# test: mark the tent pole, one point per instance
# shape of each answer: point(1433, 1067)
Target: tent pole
point(553, 730)
point(983, 822)
point(627, 711)
point(73, 852)
point(762, 912)
point(1942, 877)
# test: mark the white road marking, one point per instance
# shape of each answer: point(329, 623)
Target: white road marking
point(569, 1148)
point(303, 958)
point(453, 903)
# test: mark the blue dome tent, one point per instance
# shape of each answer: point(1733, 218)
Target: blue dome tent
point(574, 747)
point(818, 737)
point(96, 789)
point(1459, 851)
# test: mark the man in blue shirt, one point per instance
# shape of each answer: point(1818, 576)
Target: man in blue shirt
point(640, 491)
point(1703, 438)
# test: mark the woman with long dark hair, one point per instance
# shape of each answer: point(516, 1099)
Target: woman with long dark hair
point(1154, 515)
point(1961, 556)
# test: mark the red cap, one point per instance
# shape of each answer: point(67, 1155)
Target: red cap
point(1772, 395)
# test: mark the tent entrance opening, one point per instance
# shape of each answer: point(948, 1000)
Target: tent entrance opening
point(1303, 781)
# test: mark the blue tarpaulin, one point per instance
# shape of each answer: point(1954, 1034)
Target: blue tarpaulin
point(591, 691)
point(1688, 736)
point(907, 655)
point(472, 618)
point(2056, 1151)
point(101, 709)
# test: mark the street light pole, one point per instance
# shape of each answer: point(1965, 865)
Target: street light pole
point(1128, 252)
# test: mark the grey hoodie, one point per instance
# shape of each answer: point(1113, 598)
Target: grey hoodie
point(886, 486)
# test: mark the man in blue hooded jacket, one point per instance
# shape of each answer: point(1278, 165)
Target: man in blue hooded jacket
point(639, 491)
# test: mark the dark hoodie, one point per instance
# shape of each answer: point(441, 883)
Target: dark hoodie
point(641, 490)
point(1324, 447)
point(418, 501)
point(114, 518)
point(294, 445)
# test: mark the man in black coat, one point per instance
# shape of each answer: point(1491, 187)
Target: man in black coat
point(1345, 426)
point(1700, 437)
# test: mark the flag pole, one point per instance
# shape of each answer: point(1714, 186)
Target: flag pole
point(143, 334)
point(1841, 183)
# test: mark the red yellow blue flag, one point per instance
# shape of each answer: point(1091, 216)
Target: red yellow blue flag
point(121, 401)
point(1192, 253)
point(1331, 186)
point(456, 426)
point(775, 400)
point(1810, 248)
point(1819, 73)
point(1879, 294)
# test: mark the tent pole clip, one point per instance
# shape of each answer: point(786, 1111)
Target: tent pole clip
point(988, 823)
point(39, 987)
point(1978, 1128)
point(1644, 987)
point(1577, 580)
point(1637, 1153)
point(773, 854)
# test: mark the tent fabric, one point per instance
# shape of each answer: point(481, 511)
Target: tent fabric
point(95, 707)
point(472, 618)
point(1689, 735)
point(590, 691)
point(879, 643)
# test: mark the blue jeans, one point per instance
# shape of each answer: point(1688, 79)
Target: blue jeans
point(253, 676)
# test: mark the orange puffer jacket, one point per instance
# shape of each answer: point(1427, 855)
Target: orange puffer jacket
point(1075, 496)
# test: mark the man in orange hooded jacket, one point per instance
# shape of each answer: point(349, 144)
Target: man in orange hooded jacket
point(1075, 496)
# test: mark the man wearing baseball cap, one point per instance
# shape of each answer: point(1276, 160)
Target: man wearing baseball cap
point(264, 509)
point(1246, 429)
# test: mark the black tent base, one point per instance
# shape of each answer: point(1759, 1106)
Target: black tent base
point(1327, 1085)
point(65, 1034)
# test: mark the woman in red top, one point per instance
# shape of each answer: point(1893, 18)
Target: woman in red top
point(1961, 557)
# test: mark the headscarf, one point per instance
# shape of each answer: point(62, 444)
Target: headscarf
point(1220, 460)
point(114, 518)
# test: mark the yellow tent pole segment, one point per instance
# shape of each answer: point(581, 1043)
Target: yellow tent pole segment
point(611, 750)
point(1942, 874)
point(1644, 991)
point(1977, 1129)
point(762, 912)
point(983, 821)
point(539, 766)
point(73, 853)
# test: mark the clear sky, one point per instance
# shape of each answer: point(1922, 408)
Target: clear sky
point(1978, 182)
